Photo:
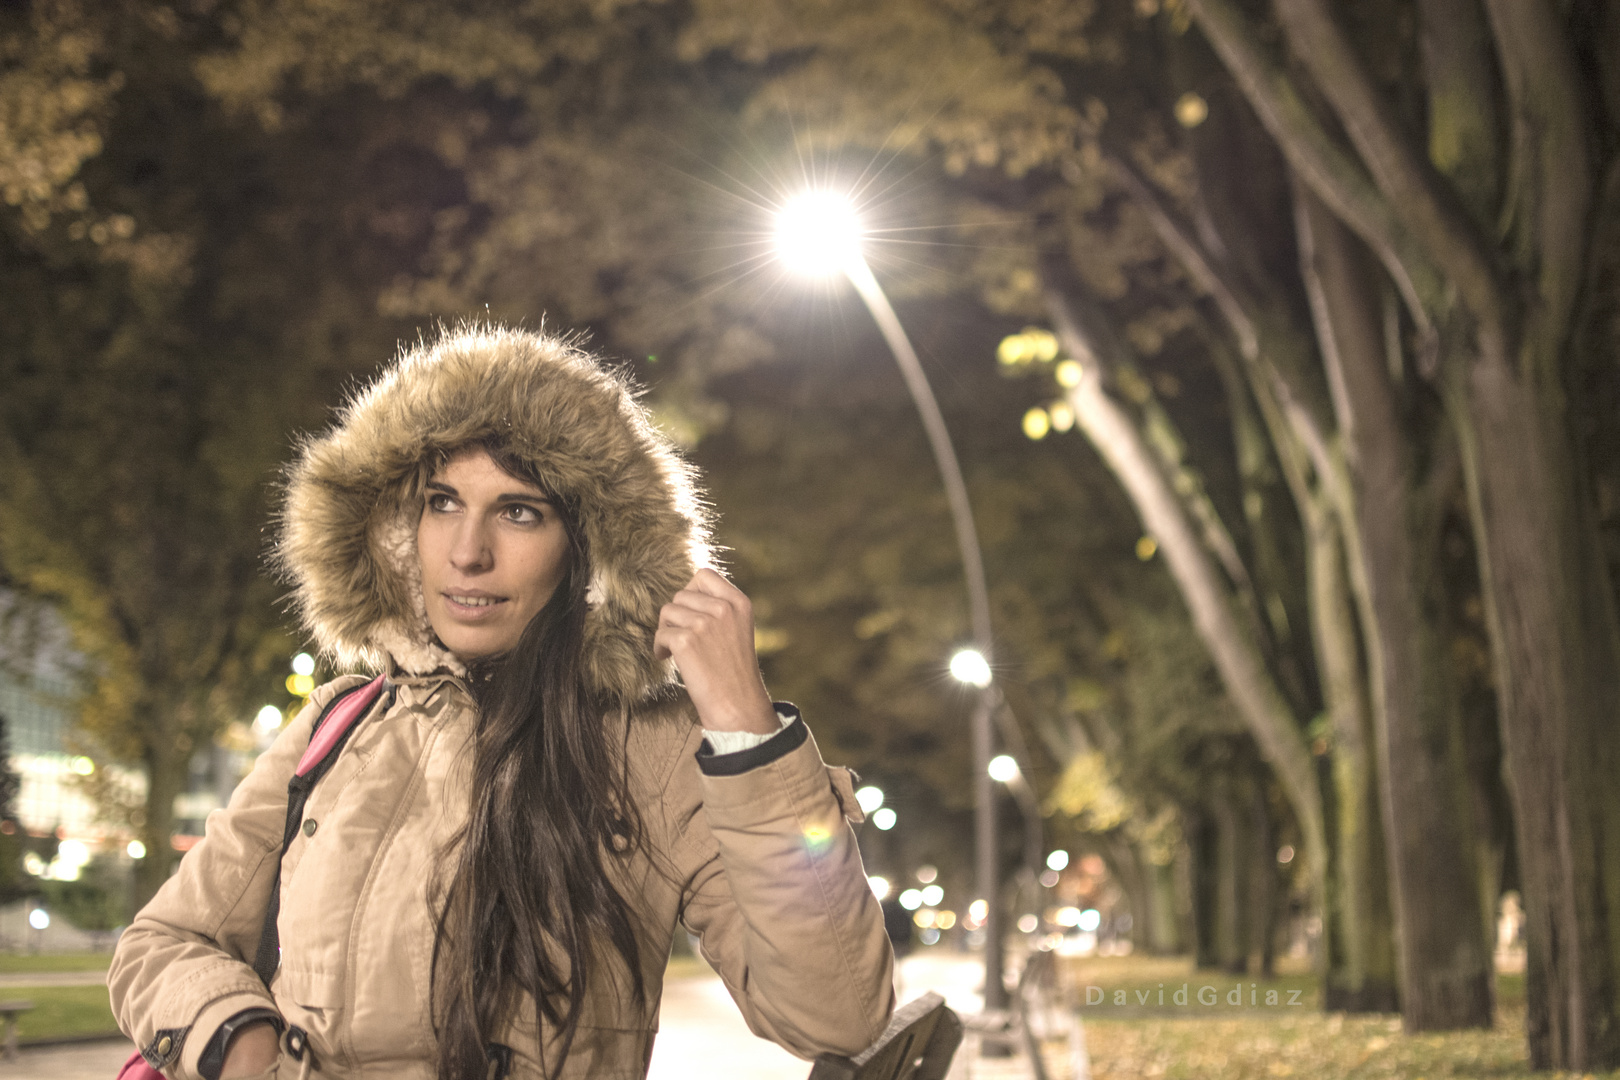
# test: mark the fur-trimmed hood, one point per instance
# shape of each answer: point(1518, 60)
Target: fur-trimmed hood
point(348, 526)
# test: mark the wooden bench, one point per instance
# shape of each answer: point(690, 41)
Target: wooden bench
point(918, 1045)
point(9, 1011)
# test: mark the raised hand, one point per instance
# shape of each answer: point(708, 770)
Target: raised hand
point(709, 629)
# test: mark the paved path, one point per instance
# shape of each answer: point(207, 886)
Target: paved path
point(83, 1061)
point(701, 1036)
point(54, 978)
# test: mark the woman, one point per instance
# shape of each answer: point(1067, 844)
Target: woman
point(489, 878)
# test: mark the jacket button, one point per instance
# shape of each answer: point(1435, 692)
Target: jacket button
point(310, 826)
point(164, 1045)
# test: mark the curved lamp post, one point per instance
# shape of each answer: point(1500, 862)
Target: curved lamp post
point(819, 233)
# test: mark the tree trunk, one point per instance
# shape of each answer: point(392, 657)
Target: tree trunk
point(1361, 969)
point(1203, 872)
point(1262, 875)
point(165, 780)
point(1446, 975)
point(1550, 607)
point(1234, 860)
point(1236, 655)
point(1164, 936)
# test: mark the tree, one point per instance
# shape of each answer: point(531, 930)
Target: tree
point(1494, 222)
point(197, 295)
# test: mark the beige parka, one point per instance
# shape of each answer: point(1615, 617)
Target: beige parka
point(751, 851)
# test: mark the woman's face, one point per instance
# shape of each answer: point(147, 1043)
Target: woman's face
point(493, 550)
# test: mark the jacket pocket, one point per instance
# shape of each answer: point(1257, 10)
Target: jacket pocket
point(309, 989)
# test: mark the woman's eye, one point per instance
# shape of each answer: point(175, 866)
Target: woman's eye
point(522, 515)
point(440, 504)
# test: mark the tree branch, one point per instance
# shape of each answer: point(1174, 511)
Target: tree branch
point(1551, 162)
point(1333, 173)
point(1191, 254)
point(1235, 653)
point(1281, 399)
point(1414, 190)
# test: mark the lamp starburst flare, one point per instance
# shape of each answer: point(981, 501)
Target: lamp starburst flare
point(818, 233)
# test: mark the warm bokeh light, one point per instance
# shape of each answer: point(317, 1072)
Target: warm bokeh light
point(1191, 110)
point(1037, 423)
point(911, 899)
point(82, 765)
point(268, 719)
point(1146, 548)
point(870, 798)
point(926, 874)
point(1028, 923)
point(136, 850)
point(880, 886)
point(977, 911)
point(1031, 345)
point(818, 232)
point(1003, 768)
point(1057, 860)
point(1062, 415)
point(933, 895)
point(884, 819)
point(1068, 374)
point(303, 664)
point(300, 685)
point(1089, 920)
point(970, 666)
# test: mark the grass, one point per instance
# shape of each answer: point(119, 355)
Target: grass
point(62, 1011)
point(27, 963)
point(1141, 1039)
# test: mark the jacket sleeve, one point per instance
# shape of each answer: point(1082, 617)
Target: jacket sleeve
point(775, 891)
point(185, 964)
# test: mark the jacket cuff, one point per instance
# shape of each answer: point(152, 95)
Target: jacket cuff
point(730, 742)
point(208, 1023)
point(212, 1061)
point(784, 742)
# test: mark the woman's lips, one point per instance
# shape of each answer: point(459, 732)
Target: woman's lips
point(472, 607)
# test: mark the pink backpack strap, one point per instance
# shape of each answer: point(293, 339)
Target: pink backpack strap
point(336, 724)
point(136, 1068)
point(331, 731)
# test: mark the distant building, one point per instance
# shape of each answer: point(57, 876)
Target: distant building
point(52, 797)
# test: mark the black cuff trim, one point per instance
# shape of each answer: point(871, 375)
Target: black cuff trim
point(164, 1049)
point(212, 1061)
point(779, 745)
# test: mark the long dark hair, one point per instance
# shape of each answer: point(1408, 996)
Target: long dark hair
point(529, 906)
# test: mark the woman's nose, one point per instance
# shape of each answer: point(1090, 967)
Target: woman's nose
point(471, 550)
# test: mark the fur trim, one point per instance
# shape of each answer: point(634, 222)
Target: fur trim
point(348, 526)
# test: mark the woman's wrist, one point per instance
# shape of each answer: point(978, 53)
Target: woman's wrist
point(757, 717)
point(252, 1050)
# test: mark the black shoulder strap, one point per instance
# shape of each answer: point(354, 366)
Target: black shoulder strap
point(268, 957)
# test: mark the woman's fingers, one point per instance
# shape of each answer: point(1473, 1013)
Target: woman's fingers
point(708, 627)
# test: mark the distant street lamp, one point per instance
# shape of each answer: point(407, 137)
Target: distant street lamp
point(819, 233)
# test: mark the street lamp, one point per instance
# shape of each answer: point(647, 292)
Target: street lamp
point(819, 232)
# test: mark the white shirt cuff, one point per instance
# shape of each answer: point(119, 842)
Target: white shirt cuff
point(731, 742)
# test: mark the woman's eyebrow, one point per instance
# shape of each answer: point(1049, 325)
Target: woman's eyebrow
point(436, 485)
point(524, 497)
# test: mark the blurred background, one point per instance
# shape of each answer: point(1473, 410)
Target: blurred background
point(1275, 341)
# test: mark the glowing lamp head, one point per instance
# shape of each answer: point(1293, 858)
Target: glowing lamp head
point(818, 233)
point(970, 666)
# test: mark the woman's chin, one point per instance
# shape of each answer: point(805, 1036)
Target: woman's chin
point(474, 646)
